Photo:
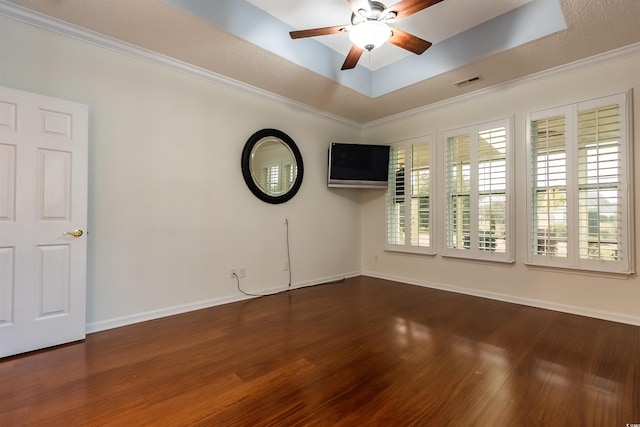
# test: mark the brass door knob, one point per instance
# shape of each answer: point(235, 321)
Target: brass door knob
point(74, 233)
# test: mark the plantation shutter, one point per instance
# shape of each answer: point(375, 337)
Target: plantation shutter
point(600, 180)
point(580, 197)
point(395, 196)
point(458, 186)
point(492, 189)
point(409, 197)
point(477, 189)
point(549, 168)
point(420, 201)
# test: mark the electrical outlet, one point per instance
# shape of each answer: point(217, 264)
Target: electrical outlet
point(240, 272)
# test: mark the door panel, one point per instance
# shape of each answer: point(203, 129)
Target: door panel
point(7, 182)
point(43, 195)
point(6, 285)
point(54, 185)
point(53, 280)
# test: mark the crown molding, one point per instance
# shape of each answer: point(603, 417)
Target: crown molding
point(61, 27)
point(58, 26)
point(629, 50)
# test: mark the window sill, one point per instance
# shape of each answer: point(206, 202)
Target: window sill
point(582, 271)
point(410, 250)
point(504, 260)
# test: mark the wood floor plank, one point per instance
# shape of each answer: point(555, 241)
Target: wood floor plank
point(363, 352)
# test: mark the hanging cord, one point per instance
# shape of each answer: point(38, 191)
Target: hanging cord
point(288, 288)
point(284, 290)
point(286, 222)
point(255, 295)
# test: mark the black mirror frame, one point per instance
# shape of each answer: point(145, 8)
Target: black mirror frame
point(246, 165)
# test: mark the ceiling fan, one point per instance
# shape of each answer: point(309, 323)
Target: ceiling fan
point(369, 28)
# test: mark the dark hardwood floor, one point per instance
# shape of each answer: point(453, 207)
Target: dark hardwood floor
point(359, 353)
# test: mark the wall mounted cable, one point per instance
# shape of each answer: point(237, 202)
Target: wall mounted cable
point(288, 288)
point(286, 222)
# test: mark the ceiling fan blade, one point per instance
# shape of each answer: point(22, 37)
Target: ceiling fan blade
point(357, 5)
point(408, 41)
point(352, 58)
point(317, 32)
point(409, 7)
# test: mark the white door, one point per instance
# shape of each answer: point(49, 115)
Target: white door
point(43, 198)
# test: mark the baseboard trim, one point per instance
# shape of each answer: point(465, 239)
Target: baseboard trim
point(581, 311)
point(118, 322)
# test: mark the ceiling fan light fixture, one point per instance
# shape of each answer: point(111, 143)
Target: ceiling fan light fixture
point(370, 34)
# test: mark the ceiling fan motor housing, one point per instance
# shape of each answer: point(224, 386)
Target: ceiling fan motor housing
point(375, 13)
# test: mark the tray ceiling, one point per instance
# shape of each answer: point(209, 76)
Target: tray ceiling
point(249, 45)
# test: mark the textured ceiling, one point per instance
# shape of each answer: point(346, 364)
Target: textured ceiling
point(594, 27)
point(459, 43)
point(434, 24)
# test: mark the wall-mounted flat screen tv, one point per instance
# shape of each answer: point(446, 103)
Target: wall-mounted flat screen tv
point(358, 165)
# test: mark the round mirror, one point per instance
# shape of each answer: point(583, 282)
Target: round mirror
point(272, 166)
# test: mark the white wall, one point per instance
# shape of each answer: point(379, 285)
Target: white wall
point(595, 295)
point(170, 215)
point(169, 212)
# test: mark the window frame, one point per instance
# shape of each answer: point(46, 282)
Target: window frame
point(391, 196)
point(474, 252)
point(573, 261)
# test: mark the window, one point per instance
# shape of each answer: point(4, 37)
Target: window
point(579, 186)
point(409, 197)
point(477, 192)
